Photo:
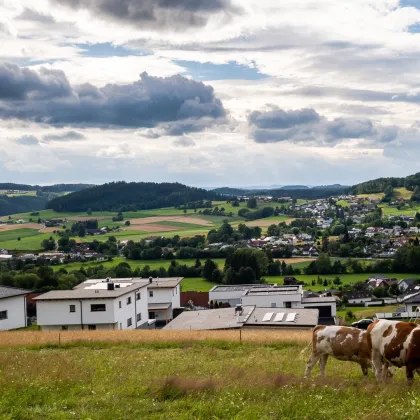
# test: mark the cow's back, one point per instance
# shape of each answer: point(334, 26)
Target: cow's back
point(393, 339)
point(343, 343)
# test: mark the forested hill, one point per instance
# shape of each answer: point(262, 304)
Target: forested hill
point(381, 185)
point(21, 204)
point(57, 188)
point(123, 196)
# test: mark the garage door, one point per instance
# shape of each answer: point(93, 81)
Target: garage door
point(324, 311)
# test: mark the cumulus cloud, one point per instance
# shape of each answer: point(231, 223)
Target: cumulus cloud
point(47, 97)
point(34, 16)
point(184, 142)
point(277, 118)
point(275, 125)
point(18, 83)
point(28, 141)
point(67, 136)
point(155, 14)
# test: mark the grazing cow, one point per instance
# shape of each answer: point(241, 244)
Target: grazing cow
point(342, 343)
point(395, 343)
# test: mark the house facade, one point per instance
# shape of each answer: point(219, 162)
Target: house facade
point(274, 296)
point(164, 295)
point(95, 305)
point(12, 308)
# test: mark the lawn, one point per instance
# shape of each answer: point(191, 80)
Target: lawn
point(403, 193)
point(362, 312)
point(343, 203)
point(153, 264)
point(345, 278)
point(29, 243)
point(405, 211)
point(191, 380)
point(12, 235)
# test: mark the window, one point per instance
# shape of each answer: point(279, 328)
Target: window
point(120, 304)
point(129, 300)
point(273, 305)
point(64, 328)
point(72, 308)
point(288, 304)
point(138, 317)
point(3, 315)
point(120, 325)
point(138, 296)
point(129, 322)
point(150, 293)
point(98, 307)
point(91, 327)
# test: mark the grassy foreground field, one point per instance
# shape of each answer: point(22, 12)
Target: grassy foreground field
point(214, 377)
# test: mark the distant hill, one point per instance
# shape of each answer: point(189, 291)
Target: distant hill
point(21, 204)
point(123, 196)
point(27, 203)
point(49, 188)
point(380, 185)
point(294, 187)
point(231, 191)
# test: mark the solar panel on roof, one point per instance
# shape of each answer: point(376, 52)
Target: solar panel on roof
point(267, 316)
point(279, 317)
point(291, 317)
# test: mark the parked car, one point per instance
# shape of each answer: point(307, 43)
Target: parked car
point(362, 324)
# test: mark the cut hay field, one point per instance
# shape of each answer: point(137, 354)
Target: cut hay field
point(176, 376)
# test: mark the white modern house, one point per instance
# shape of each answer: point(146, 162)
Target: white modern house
point(274, 296)
point(164, 296)
point(95, 305)
point(12, 308)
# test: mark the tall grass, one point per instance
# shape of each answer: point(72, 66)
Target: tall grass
point(41, 338)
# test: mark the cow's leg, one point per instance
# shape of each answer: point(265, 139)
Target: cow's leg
point(409, 373)
point(310, 364)
point(365, 369)
point(377, 364)
point(386, 371)
point(323, 364)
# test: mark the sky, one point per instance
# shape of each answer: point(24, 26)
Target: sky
point(209, 92)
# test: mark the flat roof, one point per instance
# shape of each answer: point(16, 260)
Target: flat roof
point(303, 317)
point(90, 293)
point(159, 306)
point(239, 287)
point(6, 292)
point(319, 299)
point(161, 283)
point(209, 319)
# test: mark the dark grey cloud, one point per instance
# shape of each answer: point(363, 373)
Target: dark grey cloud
point(278, 118)
point(177, 103)
point(17, 83)
point(155, 14)
point(67, 136)
point(28, 141)
point(307, 126)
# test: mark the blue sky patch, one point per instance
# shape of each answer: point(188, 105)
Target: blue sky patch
point(230, 71)
point(410, 3)
point(107, 49)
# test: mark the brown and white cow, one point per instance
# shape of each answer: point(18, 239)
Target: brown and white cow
point(395, 343)
point(342, 343)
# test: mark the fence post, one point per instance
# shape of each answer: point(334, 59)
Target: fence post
point(240, 335)
point(59, 339)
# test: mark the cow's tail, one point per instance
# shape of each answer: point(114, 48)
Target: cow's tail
point(305, 350)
